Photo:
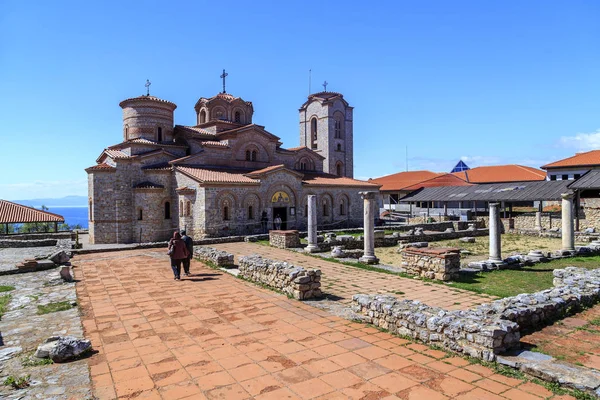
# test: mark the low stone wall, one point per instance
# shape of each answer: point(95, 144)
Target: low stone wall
point(217, 257)
point(37, 236)
point(489, 329)
point(284, 239)
point(8, 243)
point(442, 263)
point(294, 281)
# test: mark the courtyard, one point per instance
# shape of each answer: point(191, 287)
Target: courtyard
point(217, 337)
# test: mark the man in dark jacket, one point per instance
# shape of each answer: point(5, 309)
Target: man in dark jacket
point(189, 243)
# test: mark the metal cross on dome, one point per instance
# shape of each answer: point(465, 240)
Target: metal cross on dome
point(223, 76)
point(148, 83)
point(325, 86)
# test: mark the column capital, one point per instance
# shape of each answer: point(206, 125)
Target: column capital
point(494, 204)
point(367, 195)
point(567, 196)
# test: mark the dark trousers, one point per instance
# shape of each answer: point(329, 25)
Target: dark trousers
point(186, 265)
point(176, 266)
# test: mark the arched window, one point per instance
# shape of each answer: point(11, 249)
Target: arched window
point(254, 155)
point(237, 117)
point(181, 208)
point(342, 208)
point(248, 156)
point(167, 210)
point(188, 208)
point(225, 213)
point(303, 166)
point(126, 132)
point(339, 147)
point(140, 214)
point(159, 135)
point(202, 117)
point(325, 208)
point(313, 132)
point(250, 212)
point(338, 169)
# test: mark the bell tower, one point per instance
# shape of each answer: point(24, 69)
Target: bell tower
point(326, 127)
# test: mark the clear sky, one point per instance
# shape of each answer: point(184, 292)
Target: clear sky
point(491, 82)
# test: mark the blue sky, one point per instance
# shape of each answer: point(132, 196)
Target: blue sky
point(491, 82)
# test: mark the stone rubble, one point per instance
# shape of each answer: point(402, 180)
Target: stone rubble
point(488, 329)
point(218, 257)
point(63, 348)
point(294, 281)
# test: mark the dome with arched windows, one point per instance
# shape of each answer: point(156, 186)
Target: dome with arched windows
point(223, 107)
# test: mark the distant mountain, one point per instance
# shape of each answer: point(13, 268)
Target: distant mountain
point(67, 201)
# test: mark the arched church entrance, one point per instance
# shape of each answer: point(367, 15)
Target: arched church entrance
point(283, 209)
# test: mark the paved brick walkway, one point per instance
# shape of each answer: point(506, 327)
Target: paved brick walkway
point(575, 339)
point(213, 336)
point(345, 281)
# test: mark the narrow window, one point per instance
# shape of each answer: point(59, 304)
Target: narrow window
point(338, 129)
point(338, 169)
point(254, 153)
point(188, 208)
point(339, 147)
point(226, 213)
point(159, 136)
point(247, 155)
point(126, 132)
point(237, 117)
point(140, 215)
point(202, 117)
point(167, 210)
point(313, 132)
point(181, 208)
point(342, 209)
point(250, 212)
point(303, 166)
point(325, 209)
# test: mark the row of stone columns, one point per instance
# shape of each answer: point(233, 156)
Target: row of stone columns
point(568, 230)
point(369, 227)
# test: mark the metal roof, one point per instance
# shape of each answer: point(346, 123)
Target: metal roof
point(590, 180)
point(512, 191)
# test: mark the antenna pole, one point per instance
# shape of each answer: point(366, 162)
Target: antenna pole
point(309, 80)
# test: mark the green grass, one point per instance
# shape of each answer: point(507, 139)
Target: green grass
point(4, 300)
point(54, 307)
point(6, 288)
point(508, 282)
point(32, 361)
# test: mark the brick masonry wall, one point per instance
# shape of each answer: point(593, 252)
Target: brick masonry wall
point(442, 264)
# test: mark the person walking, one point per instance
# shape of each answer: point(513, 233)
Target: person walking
point(277, 222)
point(178, 252)
point(189, 244)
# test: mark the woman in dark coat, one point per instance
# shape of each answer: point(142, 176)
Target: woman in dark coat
point(178, 252)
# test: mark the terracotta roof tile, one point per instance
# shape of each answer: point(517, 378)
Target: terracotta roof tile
point(11, 213)
point(195, 130)
point(117, 154)
point(334, 180)
point(147, 98)
point(216, 175)
point(441, 180)
point(501, 173)
point(101, 167)
point(212, 143)
point(587, 159)
point(267, 169)
point(402, 180)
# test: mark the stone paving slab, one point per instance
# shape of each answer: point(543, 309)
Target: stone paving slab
point(10, 256)
point(213, 336)
point(345, 281)
point(22, 329)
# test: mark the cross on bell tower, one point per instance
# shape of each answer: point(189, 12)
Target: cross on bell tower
point(148, 83)
point(325, 86)
point(223, 76)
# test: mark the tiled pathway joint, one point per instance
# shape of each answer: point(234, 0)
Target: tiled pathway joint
point(216, 337)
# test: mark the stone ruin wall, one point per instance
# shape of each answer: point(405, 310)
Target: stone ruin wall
point(300, 283)
point(488, 329)
point(284, 239)
point(441, 264)
point(217, 257)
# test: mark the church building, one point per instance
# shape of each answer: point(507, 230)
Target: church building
point(225, 175)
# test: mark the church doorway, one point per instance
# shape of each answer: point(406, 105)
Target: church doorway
point(282, 213)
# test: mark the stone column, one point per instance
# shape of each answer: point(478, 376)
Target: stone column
point(538, 220)
point(568, 232)
point(369, 229)
point(312, 225)
point(495, 234)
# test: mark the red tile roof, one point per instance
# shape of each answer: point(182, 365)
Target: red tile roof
point(117, 154)
point(101, 167)
point(402, 180)
point(212, 143)
point(587, 159)
point(501, 173)
point(147, 98)
point(11, 213)
point(334, 180)
point(441, 180)
point(214, 175)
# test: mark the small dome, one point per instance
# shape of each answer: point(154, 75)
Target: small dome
point(151, 99)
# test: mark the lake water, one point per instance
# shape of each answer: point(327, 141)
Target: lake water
point(72, 215)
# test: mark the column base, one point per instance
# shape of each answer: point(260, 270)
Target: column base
point(369, 260)
point(311, 248)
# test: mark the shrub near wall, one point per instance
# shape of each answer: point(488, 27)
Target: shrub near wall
point(294, 281)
